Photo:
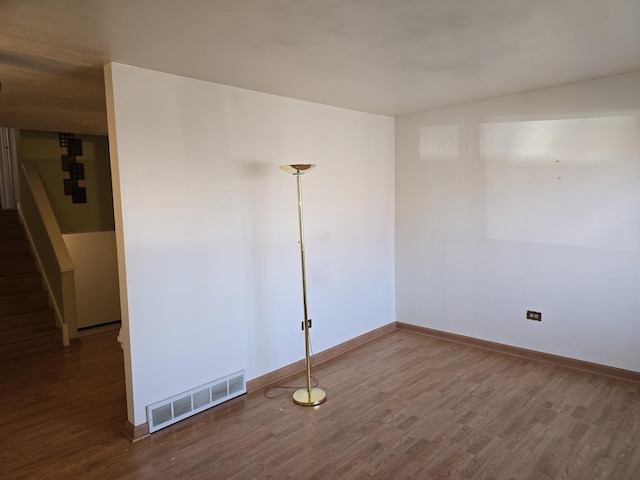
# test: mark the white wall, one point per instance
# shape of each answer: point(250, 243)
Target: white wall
point(207, 228)
point(530, 201)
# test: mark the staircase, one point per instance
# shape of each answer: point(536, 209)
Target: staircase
point(27, 324)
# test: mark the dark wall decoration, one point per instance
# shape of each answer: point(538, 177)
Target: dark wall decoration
point(74, 147)
point(79, 195)
point(65, 137)
point(66, 161)
point(69, 185)
point(76, 171)
point(70, 164)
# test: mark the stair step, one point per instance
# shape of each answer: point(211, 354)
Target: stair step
point(9, 217)
point(17, 265)
point(27, 324)
point(16, 248)
point(9, 232)
point(23, 303)
point(22, 327)
point(21, 283)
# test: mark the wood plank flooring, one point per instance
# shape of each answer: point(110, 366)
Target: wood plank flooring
point(405, 406)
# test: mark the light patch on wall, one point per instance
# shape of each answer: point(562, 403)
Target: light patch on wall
point(439, 142)
point(577, 140)
point(572, 182)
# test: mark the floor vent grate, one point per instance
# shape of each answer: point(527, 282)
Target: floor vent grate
point(172, 410)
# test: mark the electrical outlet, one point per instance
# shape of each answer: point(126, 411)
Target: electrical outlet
point(531, 315)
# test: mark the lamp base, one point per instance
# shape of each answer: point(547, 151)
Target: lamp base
point(310, 399)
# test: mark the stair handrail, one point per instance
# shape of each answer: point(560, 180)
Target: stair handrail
point(50, 250)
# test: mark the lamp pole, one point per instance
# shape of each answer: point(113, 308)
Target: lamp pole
point(308, 396)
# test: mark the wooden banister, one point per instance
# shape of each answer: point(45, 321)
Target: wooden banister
point(50, 250)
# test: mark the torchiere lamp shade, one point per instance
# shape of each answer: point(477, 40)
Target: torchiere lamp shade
point(298, 168)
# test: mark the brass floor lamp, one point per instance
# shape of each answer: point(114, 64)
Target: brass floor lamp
point(309, 396)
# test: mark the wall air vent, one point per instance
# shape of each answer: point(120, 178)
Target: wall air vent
point(172, 410)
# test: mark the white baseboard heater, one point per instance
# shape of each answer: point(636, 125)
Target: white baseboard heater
point(171, 410)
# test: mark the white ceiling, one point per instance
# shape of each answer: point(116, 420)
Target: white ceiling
point(382, 56)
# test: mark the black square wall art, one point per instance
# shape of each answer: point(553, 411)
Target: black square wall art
point(76, 171)
point(74, 147)
point(70, 164)
point(64, 138)
point(66, 161)
point(69, 185)
point(79, 195)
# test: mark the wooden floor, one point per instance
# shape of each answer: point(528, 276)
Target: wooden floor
point(404, 406)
